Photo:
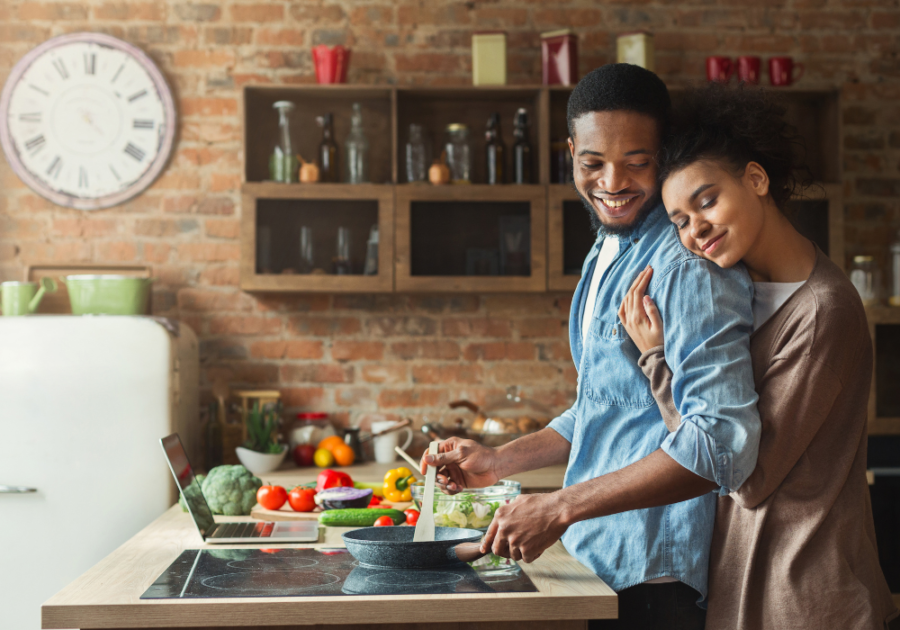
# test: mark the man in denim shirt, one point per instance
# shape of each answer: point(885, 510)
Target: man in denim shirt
point(638, 502)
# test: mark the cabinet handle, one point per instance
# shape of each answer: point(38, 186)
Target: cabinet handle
point(16, 489)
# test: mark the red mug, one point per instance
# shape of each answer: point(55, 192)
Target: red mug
point(748, 69)
point(781, 70)
point(719, 69)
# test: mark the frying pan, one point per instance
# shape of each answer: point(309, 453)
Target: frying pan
point(393, 547)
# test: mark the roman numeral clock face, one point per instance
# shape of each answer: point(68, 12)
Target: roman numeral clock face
point(87, 120)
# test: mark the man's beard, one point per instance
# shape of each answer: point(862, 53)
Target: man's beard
point(602, 229)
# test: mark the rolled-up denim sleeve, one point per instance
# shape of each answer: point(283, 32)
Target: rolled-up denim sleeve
point(707, 316)
point(564, 424)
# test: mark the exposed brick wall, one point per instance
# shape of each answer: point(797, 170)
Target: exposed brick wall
point(355, 355)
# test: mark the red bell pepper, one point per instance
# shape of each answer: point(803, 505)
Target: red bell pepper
point(332, 479)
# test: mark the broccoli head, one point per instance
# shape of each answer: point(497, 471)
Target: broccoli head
point(230, 490)
point(195, 487)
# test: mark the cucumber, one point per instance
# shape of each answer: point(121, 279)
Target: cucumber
point(359, 517)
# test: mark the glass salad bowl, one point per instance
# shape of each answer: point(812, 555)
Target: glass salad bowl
point(473, 508)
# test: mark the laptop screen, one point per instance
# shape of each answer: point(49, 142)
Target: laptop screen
point(187, 483)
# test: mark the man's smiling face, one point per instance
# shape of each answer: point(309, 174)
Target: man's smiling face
point(614, 163)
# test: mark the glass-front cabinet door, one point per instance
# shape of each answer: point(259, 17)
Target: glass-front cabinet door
point(471, 238)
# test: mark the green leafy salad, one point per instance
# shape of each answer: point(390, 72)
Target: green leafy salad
point(464, 510)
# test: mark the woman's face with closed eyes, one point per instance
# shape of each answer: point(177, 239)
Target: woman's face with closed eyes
point(719, 216)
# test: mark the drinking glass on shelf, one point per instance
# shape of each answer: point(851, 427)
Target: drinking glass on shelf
point(306, 250)
point(342, 253)
point(264, 249)
point(865, 276)
point(371, 268)
point(459, 158)
point(894, 297)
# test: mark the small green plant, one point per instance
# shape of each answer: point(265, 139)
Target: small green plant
point(261, 425)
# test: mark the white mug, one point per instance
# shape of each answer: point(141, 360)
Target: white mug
point(384, 445)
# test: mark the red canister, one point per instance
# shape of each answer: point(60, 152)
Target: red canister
point(559, 57)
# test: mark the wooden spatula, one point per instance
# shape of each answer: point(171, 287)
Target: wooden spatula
point(425, 524)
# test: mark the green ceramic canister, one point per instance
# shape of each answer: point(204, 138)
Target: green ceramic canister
point(108, 294)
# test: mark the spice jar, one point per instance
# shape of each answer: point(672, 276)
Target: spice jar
point(311, 428)
point(459, 155)
point(866, 278)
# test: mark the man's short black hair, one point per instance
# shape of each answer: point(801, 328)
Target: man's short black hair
point(619, 87)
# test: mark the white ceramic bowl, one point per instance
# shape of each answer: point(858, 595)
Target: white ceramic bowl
point(260, 463)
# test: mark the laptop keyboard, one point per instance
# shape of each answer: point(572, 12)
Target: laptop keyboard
point(243, 530)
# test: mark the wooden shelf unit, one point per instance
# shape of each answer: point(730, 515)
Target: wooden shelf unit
point(556, 243)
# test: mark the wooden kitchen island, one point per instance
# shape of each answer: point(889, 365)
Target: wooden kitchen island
point(108, 595)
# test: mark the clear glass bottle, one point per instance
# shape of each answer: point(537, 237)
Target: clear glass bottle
point(306, 263)
point(328, 153)
point(417, 158)
point(522, 159)
point(866, 278)
point(459, 155)
point(894, 298)
point(494, 152)
point(283, 164)
point(356, 149)
point(341, 260)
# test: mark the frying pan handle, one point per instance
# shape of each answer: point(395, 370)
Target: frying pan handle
point(467, 552)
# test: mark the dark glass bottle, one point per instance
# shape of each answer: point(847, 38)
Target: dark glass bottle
point(495, 152)
point(214, 430)
point(522, 159)
point(328, 151)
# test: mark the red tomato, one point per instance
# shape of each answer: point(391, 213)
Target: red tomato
point(412, 516)
point(303, 454)
point(384, 521)
point(302, 499)
point(271, 497)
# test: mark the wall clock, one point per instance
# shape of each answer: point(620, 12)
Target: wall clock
point(87, 120)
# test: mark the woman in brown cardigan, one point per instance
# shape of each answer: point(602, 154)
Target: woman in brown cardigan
point(794, 545)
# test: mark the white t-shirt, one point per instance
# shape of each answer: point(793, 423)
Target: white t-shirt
point(604, 259)
point(768, 298)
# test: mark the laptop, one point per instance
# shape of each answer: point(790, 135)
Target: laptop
point(234, 532)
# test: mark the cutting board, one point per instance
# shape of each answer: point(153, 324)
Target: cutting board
point(287, 514)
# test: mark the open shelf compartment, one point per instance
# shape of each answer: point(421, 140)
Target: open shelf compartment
point(261, 125)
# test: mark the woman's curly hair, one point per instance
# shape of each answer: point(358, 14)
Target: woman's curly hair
point(736, 126)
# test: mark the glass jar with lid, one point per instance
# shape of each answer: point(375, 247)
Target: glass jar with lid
point(459, 154)
point(866, 277)
point(311, 427)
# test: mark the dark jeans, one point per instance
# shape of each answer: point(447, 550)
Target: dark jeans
point(667, 606)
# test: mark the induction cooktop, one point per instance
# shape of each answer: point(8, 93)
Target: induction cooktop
point(208, 573)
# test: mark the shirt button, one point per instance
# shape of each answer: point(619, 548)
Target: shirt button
point(635, 241)
point(614, 332)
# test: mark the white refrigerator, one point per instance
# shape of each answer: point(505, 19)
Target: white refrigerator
point(83, 403)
